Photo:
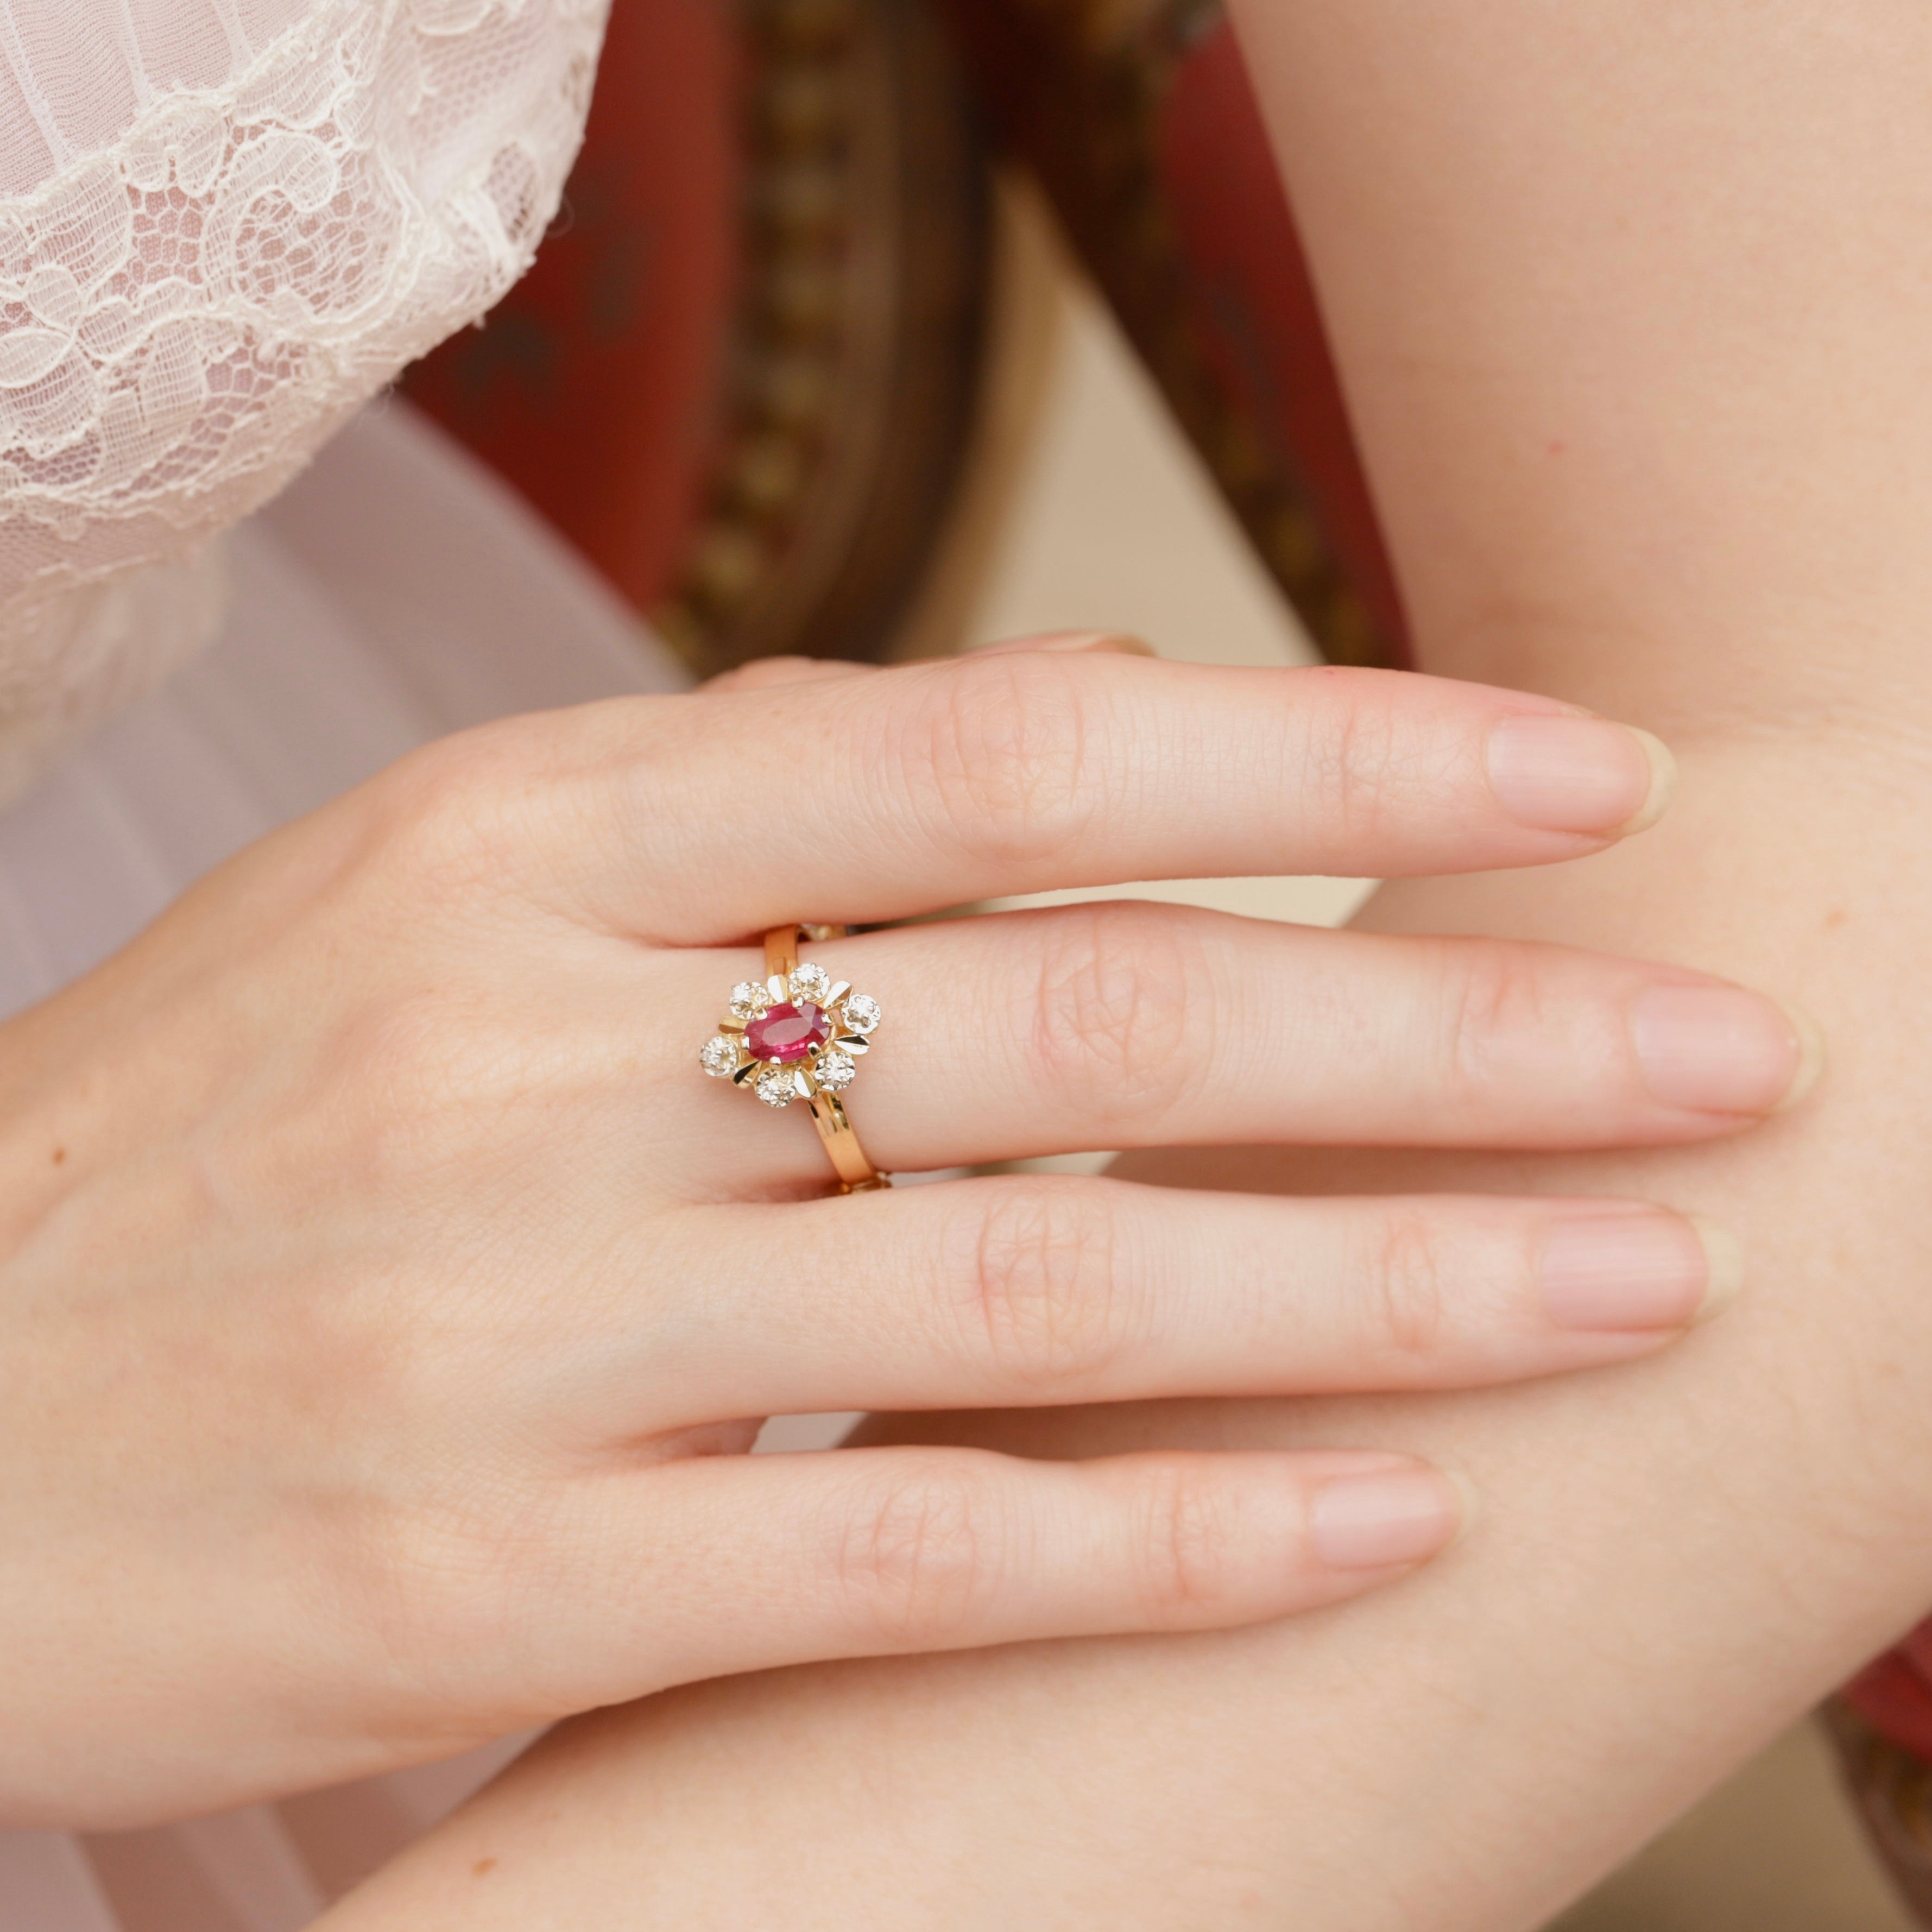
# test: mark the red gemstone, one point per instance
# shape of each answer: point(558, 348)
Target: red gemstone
point(788, 1032)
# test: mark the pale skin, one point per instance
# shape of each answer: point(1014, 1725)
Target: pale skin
point(387, 1293)
point(1634, 307)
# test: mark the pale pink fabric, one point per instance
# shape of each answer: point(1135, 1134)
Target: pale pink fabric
point(224, 225)
point(396, 592)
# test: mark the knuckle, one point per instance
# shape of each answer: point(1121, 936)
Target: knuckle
point(917, 1561)
point(997, 757)
point(762, 674)
point(465, 813)
point(1120, 1022)
point(439, 1083)
point(1403, 1281)
point(432, 1581)
point(1189, 1544)
point(1493, 1002)
point(1368, 765)
point(1047, 1298)
point(433, 1055)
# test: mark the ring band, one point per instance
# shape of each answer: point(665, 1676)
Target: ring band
point(857, 1174)
point(799, 1036)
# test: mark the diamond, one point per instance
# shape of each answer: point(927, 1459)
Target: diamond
point(719, 1057)
point(811, 982)
point(835, 1068)
point(861, 1012)
point(749, 1000)
point(788, 1033)
point(777, 1086)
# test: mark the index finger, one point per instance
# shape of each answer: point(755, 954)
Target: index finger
point(875, 798)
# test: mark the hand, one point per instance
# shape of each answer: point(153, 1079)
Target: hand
point(385, 1292)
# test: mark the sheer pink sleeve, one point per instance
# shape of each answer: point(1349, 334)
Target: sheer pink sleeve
point(224, 225)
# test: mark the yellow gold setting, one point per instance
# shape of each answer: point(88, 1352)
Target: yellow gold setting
point(799, 1035)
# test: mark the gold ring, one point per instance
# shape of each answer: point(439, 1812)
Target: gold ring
point(800, 1036)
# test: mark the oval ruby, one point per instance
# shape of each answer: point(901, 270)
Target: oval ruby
point(787, 1032)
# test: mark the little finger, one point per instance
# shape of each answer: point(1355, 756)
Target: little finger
point(703, 1568)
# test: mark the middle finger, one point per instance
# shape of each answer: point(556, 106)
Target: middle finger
point(1032, 1290)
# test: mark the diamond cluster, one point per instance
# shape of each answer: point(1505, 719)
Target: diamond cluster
point(790, 1038)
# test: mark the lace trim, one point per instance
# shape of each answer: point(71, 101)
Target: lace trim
point(186, 317)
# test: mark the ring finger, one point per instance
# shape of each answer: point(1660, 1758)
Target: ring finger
point(1121, 1025)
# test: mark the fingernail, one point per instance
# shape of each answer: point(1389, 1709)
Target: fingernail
point(1626, 1273)
point(1392, 1516)
point(1558, 774)
point(1117, 642)
point(1721, 1050)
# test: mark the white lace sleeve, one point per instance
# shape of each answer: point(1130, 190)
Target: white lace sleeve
point(224, 224)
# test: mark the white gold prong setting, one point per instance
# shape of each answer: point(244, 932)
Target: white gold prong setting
point(795, 1036)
